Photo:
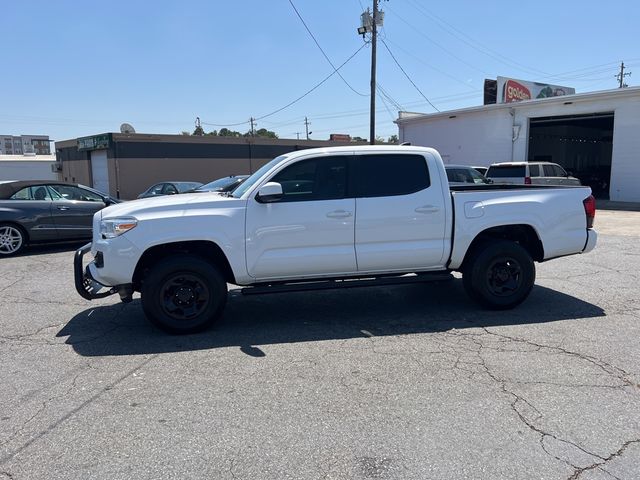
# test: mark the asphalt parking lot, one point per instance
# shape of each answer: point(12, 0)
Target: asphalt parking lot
point(403, 382)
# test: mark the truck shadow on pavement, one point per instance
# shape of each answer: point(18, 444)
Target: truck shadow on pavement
point(251, 321)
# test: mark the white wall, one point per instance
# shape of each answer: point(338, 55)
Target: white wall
point(483, 137)
point(625, 168)
point(27, 170)
point(474, 138)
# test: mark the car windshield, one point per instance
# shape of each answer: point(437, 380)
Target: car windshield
point(184, 186)
point(219, 184)
point(249, 182)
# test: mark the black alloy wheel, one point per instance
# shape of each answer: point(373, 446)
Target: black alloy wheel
point(184, 296)
point(504, 276)
point(183, 293)
point(499, 274)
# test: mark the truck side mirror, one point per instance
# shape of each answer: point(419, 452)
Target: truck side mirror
point(269, 192)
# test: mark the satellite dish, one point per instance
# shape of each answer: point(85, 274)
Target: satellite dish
point(127, 128)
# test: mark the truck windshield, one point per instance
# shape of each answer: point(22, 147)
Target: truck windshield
point(249, 182)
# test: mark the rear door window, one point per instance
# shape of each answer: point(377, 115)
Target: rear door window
point(506, 171)
point(549, 171)
point(560, 172)
point(388, 175)
point(534, 170)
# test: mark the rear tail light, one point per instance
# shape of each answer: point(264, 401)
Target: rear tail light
point(590, 209)
point(527, 180)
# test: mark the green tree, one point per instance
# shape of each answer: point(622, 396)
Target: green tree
point(263, 132)
point(225, 132)
point(393, 139)
point(199, 131)
point(212, 133)
point(358, 139)
point(185, 133)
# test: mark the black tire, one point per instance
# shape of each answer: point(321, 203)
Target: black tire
point(183, 294)
point(499, 275)
point(12, 239)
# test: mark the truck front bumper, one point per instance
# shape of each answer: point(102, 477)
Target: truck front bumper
point(88, 287)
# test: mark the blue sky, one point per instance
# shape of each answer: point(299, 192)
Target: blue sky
point(78, 68)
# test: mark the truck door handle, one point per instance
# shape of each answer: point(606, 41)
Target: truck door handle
point(60, 207)
point(339, 214)
point(427, 209)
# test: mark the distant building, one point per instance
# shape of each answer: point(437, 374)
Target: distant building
point(125, 165)
point(24, 144)
point(594, 135)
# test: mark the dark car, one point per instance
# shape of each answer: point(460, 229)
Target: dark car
point(225, 184)
point(46, 211)
point(169, 188)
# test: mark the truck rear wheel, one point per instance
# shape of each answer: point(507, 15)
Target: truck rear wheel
point(499, 275)
point(183, 294)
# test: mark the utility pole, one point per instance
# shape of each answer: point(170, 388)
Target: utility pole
point(369, 24)
point(621, 76)
point(298, 135)
point(306, 127)
point(374, 37)
point(253, 124)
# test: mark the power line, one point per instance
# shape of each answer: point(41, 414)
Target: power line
point(225, 124)
point(385, 105)
point(474, 43)
point(323, 52)
point(314, 88)
point(448, 52)
point(388, 96)
point(407, 75)
point(297, 99)
point(429, 65)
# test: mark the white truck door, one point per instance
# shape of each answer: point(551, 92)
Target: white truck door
point(310, 230)
point(400, 212)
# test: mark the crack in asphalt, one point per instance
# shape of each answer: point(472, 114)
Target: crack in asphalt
point(11, 284)
point(46, 403)
point(606, 367)
point(9, 456)
point(579, 471)
point(22, 336)
point(476, 341)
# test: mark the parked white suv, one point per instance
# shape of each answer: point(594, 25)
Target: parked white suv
point(530, 173)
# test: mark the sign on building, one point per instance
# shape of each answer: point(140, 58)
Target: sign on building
point(512, 90)
point(95, 142)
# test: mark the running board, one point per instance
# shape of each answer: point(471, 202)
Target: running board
point(345, 283)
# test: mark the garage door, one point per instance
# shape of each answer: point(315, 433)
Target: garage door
point(100, 170)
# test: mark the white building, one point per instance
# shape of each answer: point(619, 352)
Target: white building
point(594, 135)
point(19, 145)
point(29, 167)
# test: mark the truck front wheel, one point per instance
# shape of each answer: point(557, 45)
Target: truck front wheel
point(499, 275)
point(183, 294)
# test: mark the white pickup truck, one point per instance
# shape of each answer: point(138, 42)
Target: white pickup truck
point(328, 218)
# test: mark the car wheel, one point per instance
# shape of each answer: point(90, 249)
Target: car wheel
point(12, 239)
point(183, 294)
point(499, 275)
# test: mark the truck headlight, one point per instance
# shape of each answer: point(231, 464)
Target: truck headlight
point(113, 227)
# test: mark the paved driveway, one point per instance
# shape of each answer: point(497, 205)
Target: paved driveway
point(404, 382)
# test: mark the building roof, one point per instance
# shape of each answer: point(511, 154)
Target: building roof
point(410, 117)
point(28, 158)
